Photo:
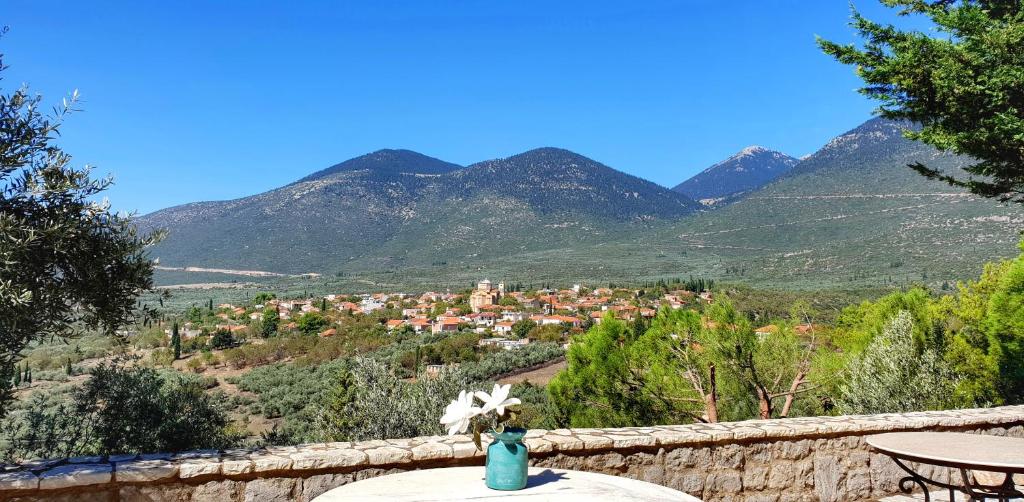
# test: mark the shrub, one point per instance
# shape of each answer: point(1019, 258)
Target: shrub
point(120, 409)
point(371, 403)
point(134, 409)
point(892, 376)
point(222, 339)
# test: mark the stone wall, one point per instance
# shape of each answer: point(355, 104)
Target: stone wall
point(797, 459)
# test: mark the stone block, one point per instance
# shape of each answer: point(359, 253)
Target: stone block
point(236, 466)
point(314, 486)
point(164, 492)
point(691, 482)
point(594, 442)
point(724, 482)
point(193, 454)
point(688, 457)
point(829, 477)
point(755, 477)
point(261, 489)
point(431, 451)
point(325, 459)
point(781, 475)
point(648, 473)
point(676, 438)
point(70, 475)
point(564, 443)
point(198, 467)
point(632, 441)
point(858, 484)
point(155, 456)
point(18, 480)
point(92, 459)
point(219, 491)
point(885, 475)
point(792, 450)
point(142, 471)
point(607, 463)
point(465, 450)
point(728, 456)
point(267, 462)
point(388, 455)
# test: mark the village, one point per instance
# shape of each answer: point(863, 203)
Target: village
point(504, 317)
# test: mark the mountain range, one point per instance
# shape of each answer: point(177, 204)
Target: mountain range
point(851, 214)
point(392, 206)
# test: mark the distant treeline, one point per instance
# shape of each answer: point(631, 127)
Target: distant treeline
point(693, 284)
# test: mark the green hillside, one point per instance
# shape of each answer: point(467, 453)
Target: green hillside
point(854, 214)
point(850, 216)
point(371, 213)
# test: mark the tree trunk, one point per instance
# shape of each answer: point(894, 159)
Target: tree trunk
point(764, 403)
point(711, 398)
point(795, 386)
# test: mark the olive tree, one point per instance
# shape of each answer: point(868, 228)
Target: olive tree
point(893, 376)
point(68, 263)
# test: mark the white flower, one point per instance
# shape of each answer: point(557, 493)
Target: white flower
point(458, 414)
point(497, 400)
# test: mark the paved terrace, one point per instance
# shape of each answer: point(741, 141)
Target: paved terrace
point(796, 459)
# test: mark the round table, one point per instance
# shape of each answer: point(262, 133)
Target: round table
point(467, 483)
point(959, 451)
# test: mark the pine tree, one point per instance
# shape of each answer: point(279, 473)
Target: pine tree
point(960, 80)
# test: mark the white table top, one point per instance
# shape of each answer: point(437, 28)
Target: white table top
point(971, 451)
point(467, 483)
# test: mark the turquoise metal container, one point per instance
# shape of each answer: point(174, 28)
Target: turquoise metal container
point(507, 460)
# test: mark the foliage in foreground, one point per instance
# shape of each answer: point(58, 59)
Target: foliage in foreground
point(906, 351)
point(892, 376)
point(300, 393)
point(964, 85)
point(67, 262)
point(370, 402)
point(683, 368)
point(120, 409)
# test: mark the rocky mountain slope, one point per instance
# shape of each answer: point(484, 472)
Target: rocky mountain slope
point(853, 213)
point(393, 207)
point(850, 215)
point(749, 169)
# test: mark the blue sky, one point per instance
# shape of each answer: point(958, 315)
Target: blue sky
point(187, 101)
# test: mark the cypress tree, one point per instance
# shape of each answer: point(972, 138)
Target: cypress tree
point(68, 368)
point(176, 341)
point(17, 378)
point(639, 326)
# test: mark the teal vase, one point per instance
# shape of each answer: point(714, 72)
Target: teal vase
point(507, 460)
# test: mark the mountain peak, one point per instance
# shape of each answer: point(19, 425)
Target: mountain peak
point(749, 169)
point(874, 138)
point(550, 152)
point(388, 161)
point(751, 150)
